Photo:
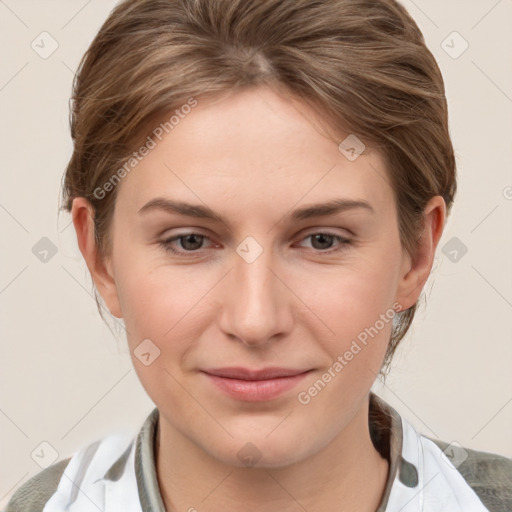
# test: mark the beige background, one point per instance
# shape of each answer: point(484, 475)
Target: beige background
point(62, 380)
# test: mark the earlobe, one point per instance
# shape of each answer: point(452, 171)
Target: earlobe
point(101, 271)
point(417, 266)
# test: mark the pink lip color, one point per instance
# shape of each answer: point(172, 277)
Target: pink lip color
point(255, 386)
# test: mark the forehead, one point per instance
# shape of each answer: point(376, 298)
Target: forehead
point(258, 149)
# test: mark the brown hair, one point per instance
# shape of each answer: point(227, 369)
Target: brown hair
point(364, 63)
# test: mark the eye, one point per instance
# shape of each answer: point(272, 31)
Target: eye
point(190, 242)
point(322, 242)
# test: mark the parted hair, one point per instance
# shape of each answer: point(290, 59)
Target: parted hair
point(362, 64)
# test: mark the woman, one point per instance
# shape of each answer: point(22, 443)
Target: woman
point(258, 189)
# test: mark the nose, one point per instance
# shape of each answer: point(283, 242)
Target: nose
point(257, 304)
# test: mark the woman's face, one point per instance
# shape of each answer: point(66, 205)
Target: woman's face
point(270, 286)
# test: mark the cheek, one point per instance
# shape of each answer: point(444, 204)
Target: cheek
point(348, 299)
point(163, 303)
point(357, 308)
point(146, 289)
point(158, 305)
point(354, 305)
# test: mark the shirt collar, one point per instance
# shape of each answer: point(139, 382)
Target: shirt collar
point(145, 465)
point(385, 426)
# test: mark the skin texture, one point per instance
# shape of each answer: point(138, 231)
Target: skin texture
point(252, 157)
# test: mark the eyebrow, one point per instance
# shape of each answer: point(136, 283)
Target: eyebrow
point(307, 212)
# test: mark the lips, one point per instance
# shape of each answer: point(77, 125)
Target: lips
point(255, 385)
point(248, 374)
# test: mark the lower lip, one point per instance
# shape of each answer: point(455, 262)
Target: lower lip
point(256, 390)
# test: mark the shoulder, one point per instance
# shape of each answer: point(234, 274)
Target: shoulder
point(488, 474)
point(104, 458)
point(35, 492)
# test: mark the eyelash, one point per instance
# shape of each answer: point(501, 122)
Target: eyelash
point(166, 244)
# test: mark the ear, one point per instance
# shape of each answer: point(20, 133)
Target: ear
point(417, 266)
point(101, 271)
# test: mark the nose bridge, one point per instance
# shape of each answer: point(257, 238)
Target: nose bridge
point(255, 309)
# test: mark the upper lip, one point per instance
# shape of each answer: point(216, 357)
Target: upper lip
point(250, 374)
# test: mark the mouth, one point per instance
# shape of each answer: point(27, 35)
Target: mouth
point(253, 385)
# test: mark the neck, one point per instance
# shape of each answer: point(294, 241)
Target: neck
point(349, 474)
